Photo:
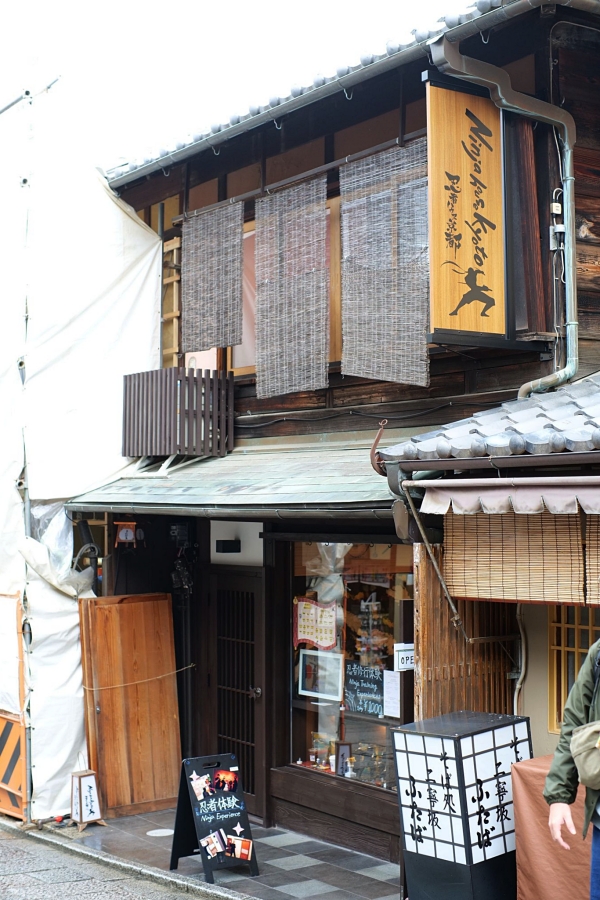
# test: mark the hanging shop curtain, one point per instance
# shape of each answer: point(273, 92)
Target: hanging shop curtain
point(211, 279)
point(385, 265)
point(525, 558)
point(292, 290)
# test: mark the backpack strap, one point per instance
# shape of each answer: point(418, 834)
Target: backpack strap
point(596, 681)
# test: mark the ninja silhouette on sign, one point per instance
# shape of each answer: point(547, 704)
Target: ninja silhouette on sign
point(480, 292)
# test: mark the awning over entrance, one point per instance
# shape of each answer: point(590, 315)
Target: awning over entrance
point(253, 484)
point(526, 496)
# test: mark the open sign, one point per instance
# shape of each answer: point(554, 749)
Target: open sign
point(404, 657)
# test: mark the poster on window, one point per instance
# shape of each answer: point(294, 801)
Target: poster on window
point(363, 689)
point(314, 623)
point(320, 675)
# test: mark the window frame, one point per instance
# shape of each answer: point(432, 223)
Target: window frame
point(559, 650)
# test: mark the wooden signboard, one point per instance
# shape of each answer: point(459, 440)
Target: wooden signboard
point(466, 213)
point(211, 817)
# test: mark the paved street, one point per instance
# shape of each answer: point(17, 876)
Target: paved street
point(30, 870)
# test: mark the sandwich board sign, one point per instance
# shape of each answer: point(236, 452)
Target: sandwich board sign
point(211, 818)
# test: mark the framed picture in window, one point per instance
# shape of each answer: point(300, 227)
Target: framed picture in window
point(320, 674)
point(343, 752)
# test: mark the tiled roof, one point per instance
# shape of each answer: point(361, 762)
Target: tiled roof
point(564, 420)
point(345, 77)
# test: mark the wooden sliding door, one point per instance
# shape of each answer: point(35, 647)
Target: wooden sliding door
point(132, 718)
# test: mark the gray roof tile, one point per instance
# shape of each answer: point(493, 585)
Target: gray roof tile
point(529, 425)
point(572, 423)
point(567, 419)
point(518, 405)
point(428, 449)
point(579, 440)
point(525, 414)
point(592, 410)
point(461, 446)
point(498, 445)
point(554, 400)
point(581, 389)
point(559, 413)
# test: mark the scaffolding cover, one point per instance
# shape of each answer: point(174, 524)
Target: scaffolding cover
point(385, 265)
point(211, 279)
point(292, 290)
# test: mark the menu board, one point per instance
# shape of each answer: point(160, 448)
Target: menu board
point(211, 816)
point(363, 689)
point(314, 623)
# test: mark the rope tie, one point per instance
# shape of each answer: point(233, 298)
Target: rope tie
point(109, 687)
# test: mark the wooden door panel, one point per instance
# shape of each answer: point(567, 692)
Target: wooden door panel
point(133, 721)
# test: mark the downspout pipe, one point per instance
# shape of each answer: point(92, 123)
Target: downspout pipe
point(449, 60)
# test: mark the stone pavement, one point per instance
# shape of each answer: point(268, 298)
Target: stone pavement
point(34, 870)
point(130, 859)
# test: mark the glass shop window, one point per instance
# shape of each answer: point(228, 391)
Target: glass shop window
point(353, 655)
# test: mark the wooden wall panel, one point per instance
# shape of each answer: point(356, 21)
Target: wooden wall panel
point(451, 675)
point(349, 813)
point(132, 719)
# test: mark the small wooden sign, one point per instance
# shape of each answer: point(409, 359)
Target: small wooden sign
point(211, 818)
point(85, 805)
point(466, 213)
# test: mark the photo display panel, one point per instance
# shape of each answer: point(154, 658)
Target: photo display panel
point(212, 819)
point(455, 789)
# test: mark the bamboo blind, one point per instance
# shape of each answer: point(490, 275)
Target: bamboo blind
point(592, 559)
point(292, 290)
point(211, 279)
point(524, 558)
point(385, 265)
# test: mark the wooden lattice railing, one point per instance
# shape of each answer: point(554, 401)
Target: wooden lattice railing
point(183, 412)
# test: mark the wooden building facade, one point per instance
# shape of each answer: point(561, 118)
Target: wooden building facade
point(315, 547)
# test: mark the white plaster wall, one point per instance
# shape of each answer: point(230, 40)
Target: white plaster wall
point(247, 533)
point(535, 688)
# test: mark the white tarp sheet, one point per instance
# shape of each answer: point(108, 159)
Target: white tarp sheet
point(81, 289)
point(55, 678)
point(9, 655)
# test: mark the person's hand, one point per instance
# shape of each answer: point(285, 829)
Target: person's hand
point(560, 814)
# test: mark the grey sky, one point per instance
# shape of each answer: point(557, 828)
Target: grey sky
point(139, 75)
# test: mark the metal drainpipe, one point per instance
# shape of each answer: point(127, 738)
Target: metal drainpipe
point(26, 638)
point(161, 234)
point(449, 60)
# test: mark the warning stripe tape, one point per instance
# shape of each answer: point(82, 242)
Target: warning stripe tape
point(10, 771)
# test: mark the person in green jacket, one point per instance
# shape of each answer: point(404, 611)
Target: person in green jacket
point(560, 790)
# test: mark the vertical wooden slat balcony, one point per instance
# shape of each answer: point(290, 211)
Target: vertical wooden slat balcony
point(183, 412)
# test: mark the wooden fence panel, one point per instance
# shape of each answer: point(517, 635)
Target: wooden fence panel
point(178, 411)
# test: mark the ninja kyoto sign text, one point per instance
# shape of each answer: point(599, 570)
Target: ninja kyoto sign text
point(466, 227)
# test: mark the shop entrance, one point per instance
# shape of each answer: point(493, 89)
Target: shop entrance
point(235, 676)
